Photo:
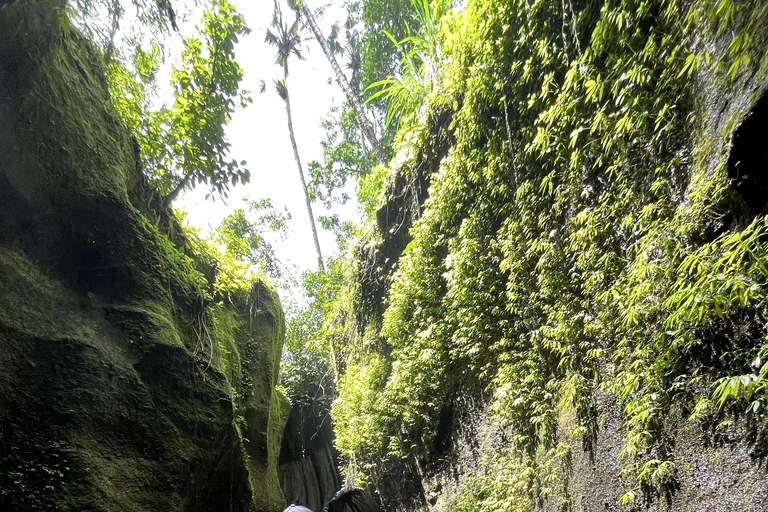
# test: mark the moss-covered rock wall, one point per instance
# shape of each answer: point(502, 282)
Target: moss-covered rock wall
point(564, 306)
point(123, 385)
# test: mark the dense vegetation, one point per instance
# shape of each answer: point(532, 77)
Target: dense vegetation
point(562, 219)
point(577, 239)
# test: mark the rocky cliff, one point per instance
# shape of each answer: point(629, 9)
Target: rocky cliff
point(308, 464)
point(125, 385)
point(562, 306)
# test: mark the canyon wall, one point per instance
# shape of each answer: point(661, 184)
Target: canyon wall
point(126, 384)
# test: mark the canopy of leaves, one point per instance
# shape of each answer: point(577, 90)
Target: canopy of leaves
point(307, 372)
point(207, 91)
point(379, 18)
point(286, 37)
point(185, 145)
point(371, 55)
point(344, 158)
point(248, 240)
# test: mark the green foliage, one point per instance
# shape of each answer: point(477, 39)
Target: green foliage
point(344, 158)
point(228, 275)
point(32, 477)
point(418, 70)
point(185, 145)
point(379, 58)
point(345, 231)
point(195, 148)
point(287, 38)
point(308, 366)
point(248, 241)
point(369, 52)
point(155, 17)
point(503, 484)
point(369, 190)
point(370, 56)
point(573, 240)
point(359, 413)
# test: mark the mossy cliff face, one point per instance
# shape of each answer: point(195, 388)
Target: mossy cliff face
point(122, 386)
point(564, 307)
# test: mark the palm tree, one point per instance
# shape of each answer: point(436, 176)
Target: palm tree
point(300, 6)
point(288, 41)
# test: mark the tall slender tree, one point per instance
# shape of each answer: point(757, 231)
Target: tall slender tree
point(300, 6)
point(287, 39)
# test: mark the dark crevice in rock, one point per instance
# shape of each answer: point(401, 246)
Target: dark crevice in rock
point(748, 161)
point(308, 464)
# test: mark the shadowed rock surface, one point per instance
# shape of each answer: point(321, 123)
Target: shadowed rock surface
point(122, 388)
point(308, 465)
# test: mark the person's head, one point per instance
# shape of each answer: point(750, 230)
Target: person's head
point(296, 508)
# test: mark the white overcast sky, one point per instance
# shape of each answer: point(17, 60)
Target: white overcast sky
point(259, 133)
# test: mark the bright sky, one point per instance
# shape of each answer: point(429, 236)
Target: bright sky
point(259, 134)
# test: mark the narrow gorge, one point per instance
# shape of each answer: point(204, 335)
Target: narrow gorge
point(558, 302)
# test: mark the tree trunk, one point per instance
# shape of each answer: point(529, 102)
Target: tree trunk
point(173, 194)
point(365, 124)
point(287, 100)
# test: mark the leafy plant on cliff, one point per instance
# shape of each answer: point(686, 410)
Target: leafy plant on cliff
point(194, 149)
point(418, 71)
point(573, 241)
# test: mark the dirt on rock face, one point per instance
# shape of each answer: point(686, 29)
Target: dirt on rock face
point(110, 398)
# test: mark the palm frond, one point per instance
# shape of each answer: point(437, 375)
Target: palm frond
point(282, 88)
